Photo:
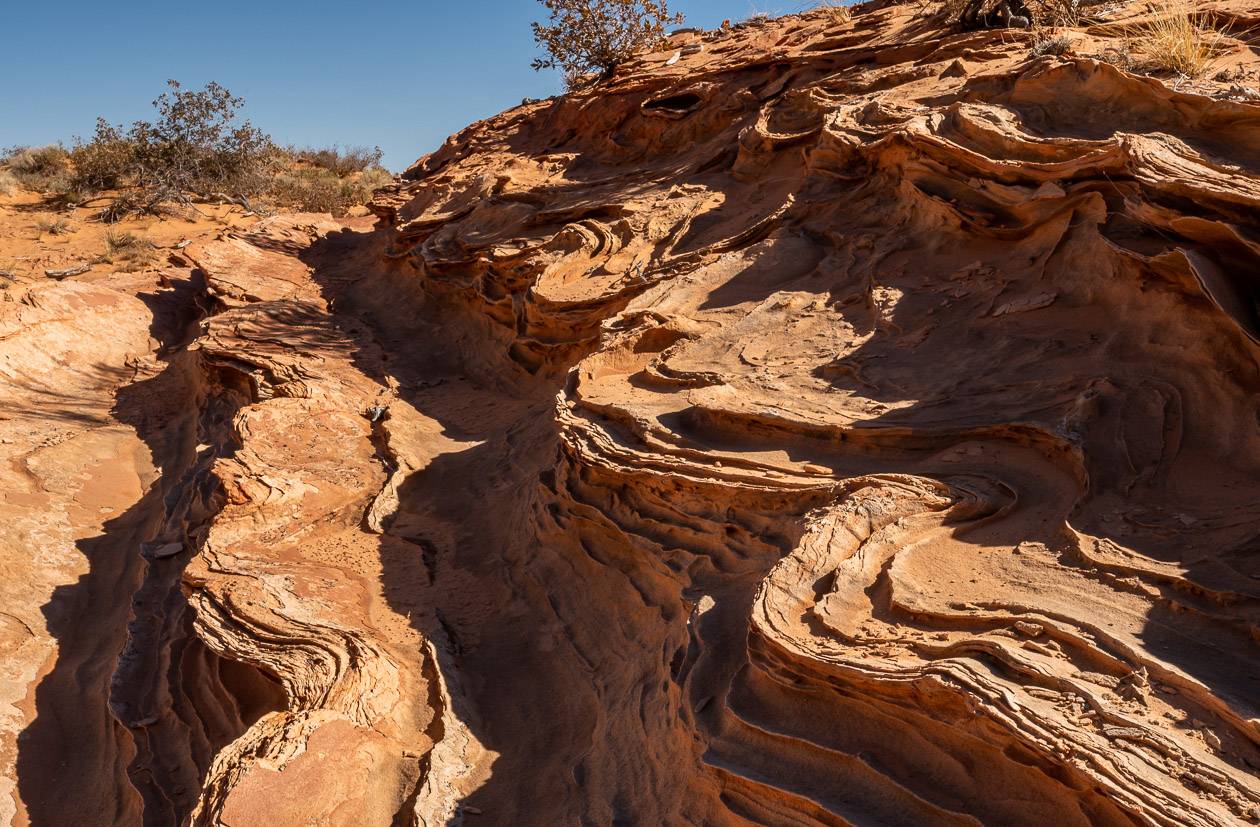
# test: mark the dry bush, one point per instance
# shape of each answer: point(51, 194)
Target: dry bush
point(1119, 56)
point(331, 179)
point(196, 149)
point(8, 182)
point(123, 205)
point(584, 36)
point(374, 178)
point(40, 169)
point(312, 190)
point(52, 225)
point(340, 161)
point(1047, 43)
point(315, 189)
point(837, 13)
point(44, 160)
point(1056, 13)
point(122, 242)
point(949, 9)
point(1174, 40)
point(128, 249)
point(106, 162)
point(973, 14)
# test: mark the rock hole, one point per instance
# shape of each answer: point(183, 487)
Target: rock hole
point(255, 692)
point(679, 104)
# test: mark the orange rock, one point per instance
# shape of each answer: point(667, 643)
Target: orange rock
point(820, 435)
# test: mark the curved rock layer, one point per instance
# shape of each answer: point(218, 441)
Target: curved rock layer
point(846, 423)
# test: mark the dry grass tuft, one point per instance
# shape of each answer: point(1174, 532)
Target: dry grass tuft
point(1174, 40)
point(8, 182)
point(1048, 43)
point(52, 225)
point(133, 252)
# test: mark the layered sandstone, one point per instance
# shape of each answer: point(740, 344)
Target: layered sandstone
point(843, 423)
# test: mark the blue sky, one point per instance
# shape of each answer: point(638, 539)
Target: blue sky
point(401, 75)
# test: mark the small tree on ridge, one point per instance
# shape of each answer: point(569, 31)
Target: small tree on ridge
point(582, 36)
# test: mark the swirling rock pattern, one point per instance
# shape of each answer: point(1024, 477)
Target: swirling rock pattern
point(913, 412)
point(843, 423)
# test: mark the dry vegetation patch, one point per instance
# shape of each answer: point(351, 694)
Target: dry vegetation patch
point(1176, 40)
point(330, 180)
point(837, 13)
point(585, 36)
point(44, 169)
point(129, 250)
point(197, 151)
point(52, 225)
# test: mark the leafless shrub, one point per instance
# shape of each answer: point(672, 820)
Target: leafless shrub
point(585, 36)
point(121, 206)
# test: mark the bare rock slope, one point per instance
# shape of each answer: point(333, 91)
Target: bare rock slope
point(849, 422)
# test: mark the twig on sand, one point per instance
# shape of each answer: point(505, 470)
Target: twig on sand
point(76, 270)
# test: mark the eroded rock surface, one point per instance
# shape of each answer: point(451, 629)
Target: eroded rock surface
point(846, 423)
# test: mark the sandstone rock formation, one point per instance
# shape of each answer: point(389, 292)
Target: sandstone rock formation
point(841, 423)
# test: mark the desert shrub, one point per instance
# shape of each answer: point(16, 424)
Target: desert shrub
point(341, 161)
point(1046, 43)
point(1119, 56)
point(52, 225)
point(1056, 13)
point(837, 12)
point(44, 160)
point(197, 147)
point(584, 36)
point(315, 189)
point(376, 177)
point(41, 169)
point(972, 14)
point(1174, 40)
point(8, 182)
point(106, 162)
point(121, 242)
point(990, 14)
point(121, 206)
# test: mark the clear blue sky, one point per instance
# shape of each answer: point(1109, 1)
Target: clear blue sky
point(400, 75)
